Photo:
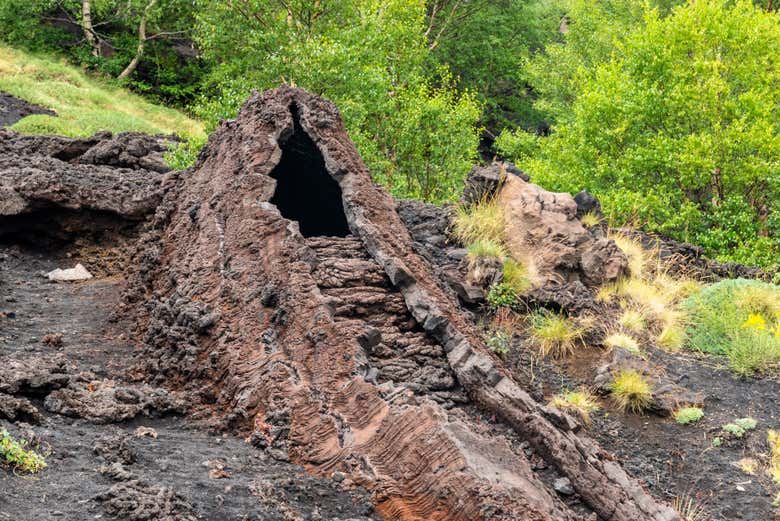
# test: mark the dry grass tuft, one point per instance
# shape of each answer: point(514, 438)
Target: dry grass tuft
point(481, 221)
point(555, 334)
point(623, 341)
point(689, 509)
point(581, 402)
point(631, 391)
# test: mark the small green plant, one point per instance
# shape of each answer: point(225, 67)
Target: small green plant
point(502, 295)
point(555, 334)
point(631, 391)
point(17, 456)
point(481, 221)
point(501, 330)
point(686, 415)
point(739, 427)
point(623, 341)
point(717, 441)
point(183, 155)
point(581, 402)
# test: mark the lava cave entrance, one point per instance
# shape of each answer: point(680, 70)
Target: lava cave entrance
point(305, 191)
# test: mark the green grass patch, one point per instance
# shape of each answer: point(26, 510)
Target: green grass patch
point(739, 319)
point(15, 455)
point(84, 104)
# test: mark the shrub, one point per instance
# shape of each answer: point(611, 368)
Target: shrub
point(686, 415)
point(740, 319)
point(631, 391)
point(502, 296)
point(16, 455)
point(555, 334)
point(674, 128)
point(481, 221)
point(623, 341)
point(581, 402)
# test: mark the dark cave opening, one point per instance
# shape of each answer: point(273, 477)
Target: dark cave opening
point(305, 191)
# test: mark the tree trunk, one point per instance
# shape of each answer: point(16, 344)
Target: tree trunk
point(86, 24)
point(141, 42)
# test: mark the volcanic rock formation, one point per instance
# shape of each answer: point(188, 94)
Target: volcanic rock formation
point(280, 284)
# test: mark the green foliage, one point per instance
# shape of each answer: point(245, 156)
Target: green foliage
point(84, 105)
point(499, 341)
point(17, 456)
point(415, 131)
point(501, 330)
point(502, 295)
point(686, 415)
point(485, 43)
point(673, 123)
point(740, 319)
point(183, 155)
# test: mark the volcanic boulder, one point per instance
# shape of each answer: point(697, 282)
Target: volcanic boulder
point(281, 285)
point(543, 228)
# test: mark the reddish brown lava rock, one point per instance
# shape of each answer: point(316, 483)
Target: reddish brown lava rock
point(279, 281)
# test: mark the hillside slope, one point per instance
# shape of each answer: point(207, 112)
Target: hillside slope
point(84, 104)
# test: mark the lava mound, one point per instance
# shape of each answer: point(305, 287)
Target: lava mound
point(279, 287)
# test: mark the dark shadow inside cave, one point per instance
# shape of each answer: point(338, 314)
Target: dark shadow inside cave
point(305, 191)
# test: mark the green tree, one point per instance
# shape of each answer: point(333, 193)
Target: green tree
point(679, 130)
point(416, 132)
point(485, 42)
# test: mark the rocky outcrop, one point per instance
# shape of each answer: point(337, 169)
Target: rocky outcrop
point(118, 174)
point(542, 229)
point(316, 325)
